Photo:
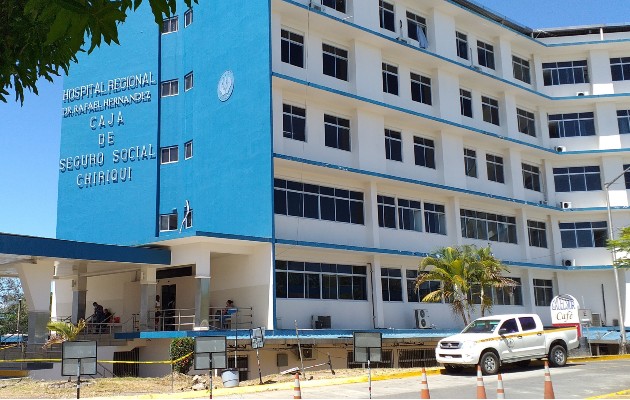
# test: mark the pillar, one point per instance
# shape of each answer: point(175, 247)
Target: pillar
point(35, 280)
point(79, 291)
point(377, 293)
point(148, 290)
point(200, 257)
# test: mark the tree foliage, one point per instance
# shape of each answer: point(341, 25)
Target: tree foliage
point(181, 347)
point(41, 38)
point(466, 273)
point(621, 247)
point(11, 303)
point(64, 331)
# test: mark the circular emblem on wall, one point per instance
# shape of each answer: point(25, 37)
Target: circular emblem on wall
point(225, 85)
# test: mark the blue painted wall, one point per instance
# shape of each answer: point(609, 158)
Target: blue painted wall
point(228, 181)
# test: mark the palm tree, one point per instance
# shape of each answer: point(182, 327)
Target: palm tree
point(490, 270)
point(65, 331)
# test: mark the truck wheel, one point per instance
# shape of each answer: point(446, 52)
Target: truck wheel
point(489, 363)
point(453, 368)
point(557, 356)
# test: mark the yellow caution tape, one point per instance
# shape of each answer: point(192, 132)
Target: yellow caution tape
point(100, 361)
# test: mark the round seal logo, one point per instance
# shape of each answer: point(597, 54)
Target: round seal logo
point(225, 85)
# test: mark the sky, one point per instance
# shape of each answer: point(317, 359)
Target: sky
point(29, 133)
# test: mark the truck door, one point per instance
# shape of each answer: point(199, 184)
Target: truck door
point(509, 343)
point(533, 337)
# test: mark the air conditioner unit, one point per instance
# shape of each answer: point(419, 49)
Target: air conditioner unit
point(560, 149)
point(307, 353)
point(568, 263)
point(422, 319)
point(596, 319)
point(566, 205)
point(321, 322)
point(582, 93)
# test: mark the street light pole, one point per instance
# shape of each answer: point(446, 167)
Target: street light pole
point(622, 326)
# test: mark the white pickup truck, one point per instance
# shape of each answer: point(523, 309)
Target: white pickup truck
point(512, 338)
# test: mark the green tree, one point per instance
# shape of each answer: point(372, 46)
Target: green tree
point(465, 272)
point(12, 303)
point(621, 247)
point(65, 331)
point(41, 38)
point(181, 347)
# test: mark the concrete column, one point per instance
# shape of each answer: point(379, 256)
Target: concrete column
point(599, 71)
point(606, 126)
point(370, 141)
point(441, 34)
point(503, 59)
point(367, 72)
point(514, 174)
point(611, 168)
point(453, 221)
point(446, 95)
point(148, 291)
point(35, 280)
point(371, 218)
point(555, 244)
point(527, 285)
point(537, 75)
point(522, 232)
point(507, 115)
point(202, 294)
point(377, 292)
point(79, 292)
point(451, 153)
point(549, 185)
point(542, 127)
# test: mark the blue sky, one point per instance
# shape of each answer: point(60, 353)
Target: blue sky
point(29, 134)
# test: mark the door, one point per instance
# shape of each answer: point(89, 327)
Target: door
point(169, 294)
point(533, 338)
point(510, 342)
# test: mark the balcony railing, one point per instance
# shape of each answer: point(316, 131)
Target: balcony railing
point(183, 319)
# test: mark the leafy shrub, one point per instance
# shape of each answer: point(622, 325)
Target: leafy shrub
point(179, 348)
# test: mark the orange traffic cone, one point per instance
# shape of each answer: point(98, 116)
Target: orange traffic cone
point(297, 392)
point(424, 387)
point(481, 390)
point(500, 392)
point(548, 386)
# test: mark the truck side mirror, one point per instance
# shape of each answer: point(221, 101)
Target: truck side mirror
point(503, 331)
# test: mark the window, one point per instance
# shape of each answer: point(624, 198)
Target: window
point(420, 88)
point(188, 81)
point(570, 125)
point(169, 25)
point(416, 295)
point(168, 222)
point(620, 68)
point(543, 292)
point(293, 122)
point(386, 211)
point(509, 295)
point(424, 152)
point(391, 284)
point(310, 280)
point(521, 69)
point(527, 323)
point(386, 15)
point(317, 202)
point(485, 54)
point(390, 79)
point(393, 145)
point(470, 162)
point(338, 5)
point(292, 48)
point(461, 41)
point(623, 120)
point(188, 219)
point(465, 103)
point(494, 166)
point(531, 177)
point(335, 62)
point(565, 73)
point(537, 232)
point(337, 132)
point(188, 17)
point(577, 179)
point(417, 29)
point(583, 234)
point(526, 122)
point(169, 155)
point(188, 150)
point(490, 108)
point(487, 226)
point(626, 175)
point(434, 218)
point(409, 215)
point(170, 88)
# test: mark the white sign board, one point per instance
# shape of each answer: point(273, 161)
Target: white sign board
point(564, 310)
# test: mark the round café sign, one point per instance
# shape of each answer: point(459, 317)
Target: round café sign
point(564, 310)
point(225, 85)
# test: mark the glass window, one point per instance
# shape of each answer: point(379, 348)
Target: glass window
point(188, 219)
point(434, 218)
point(417, 29)
point(626, 175)
point(565, 73)
point(188, 17)
point(390, 79)
point(337, 132)
point(487, 226)
point(509, 295)
point(293, 122)
point(188, 81)
point(490, 108)
point(521, 69)
point(537, 232)
point(583, 234)
point(391, 284)
point(386, 211)
point(311, 280)
point(334, 62)
point(526, 122)
point(485, 54)
point(409, 215)
point(169, 88)
point(470, 162)
point(339, 5)
point(577, 179)
point(570, 125)
point(527, 323)
point(416, 295)
point(543, 292)
point(292, 48)
point(465, 103)
point(461, 41)
point(623, 121)
point(420, 88)
point(494, 166)
point(393, 145)
point(168, 222)
point(386, 15)
point(424, 152)
point(620, 68)
point(531, 177)
point(169, 25)
point(169, 154)
point(188, 150)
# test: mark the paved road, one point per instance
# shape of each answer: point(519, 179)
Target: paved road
point(575, 381)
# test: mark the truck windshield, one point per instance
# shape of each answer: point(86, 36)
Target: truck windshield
point(481, 326)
